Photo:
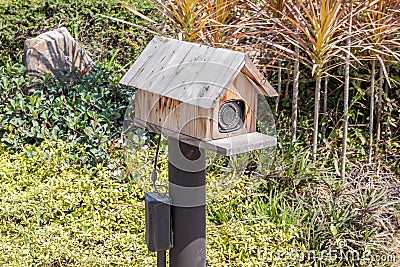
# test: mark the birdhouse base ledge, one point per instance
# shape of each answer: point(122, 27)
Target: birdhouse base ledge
point(225, 146)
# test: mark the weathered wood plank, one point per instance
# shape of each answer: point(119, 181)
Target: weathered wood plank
point(137, 68)
point(242, 89)
point(251, 71)
point(173, 114)
point(175, 69)
point(168, 54)
point(226, 146)
point(248, 93)
point(239, 144)
point(219, 76)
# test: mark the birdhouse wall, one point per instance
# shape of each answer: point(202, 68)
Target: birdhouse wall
point(173, 114)
point(242, 89)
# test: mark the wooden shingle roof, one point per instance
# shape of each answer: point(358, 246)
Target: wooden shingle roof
point(192, 73)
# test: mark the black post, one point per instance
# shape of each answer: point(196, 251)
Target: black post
point(161, 259)
point(187, 180)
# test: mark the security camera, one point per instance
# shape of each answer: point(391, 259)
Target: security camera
point(231, 116)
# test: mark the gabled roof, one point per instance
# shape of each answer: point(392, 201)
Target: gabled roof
point(190, 72)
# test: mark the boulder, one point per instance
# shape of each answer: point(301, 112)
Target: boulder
point(52, 52)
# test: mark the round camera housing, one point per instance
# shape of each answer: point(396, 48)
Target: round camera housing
point(231, 116)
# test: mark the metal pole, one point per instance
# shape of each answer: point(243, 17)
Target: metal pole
point(161, 258)
point(187, 180)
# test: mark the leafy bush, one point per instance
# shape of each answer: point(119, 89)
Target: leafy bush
point(357, 216)
point(102, 38)
point(244, 225)
point(55, 213)
point(87, 111)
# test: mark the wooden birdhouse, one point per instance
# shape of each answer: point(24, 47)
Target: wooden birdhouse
point(202, 95)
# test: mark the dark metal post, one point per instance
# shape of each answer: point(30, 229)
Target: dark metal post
point(161, 259)
point(187, 180)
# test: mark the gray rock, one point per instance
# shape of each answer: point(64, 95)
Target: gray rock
point(52, 52)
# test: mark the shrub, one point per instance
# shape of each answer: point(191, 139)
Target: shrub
point(88, 111)
point(247, 225)
point(99, 36)
point(53, 212)
point(355, 219)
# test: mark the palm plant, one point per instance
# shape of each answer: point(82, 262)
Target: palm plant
point(279, 87)
point(277, 10)
point(187, 17)
point(212, 21)
point(270, 16)
point(223, 24)
point(192, 20)
point(295, 98)
point(326, 85)
point(345, 96)
point(381, 27)
point(317, 29)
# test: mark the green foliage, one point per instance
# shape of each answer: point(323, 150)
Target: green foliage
point(256, 242)
point(87, 111)
point(356, 215)
point(99, 36)
point(56, 213)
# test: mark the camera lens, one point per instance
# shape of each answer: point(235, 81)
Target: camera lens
point(231, 116)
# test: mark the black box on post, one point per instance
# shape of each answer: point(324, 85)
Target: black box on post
point(158, 221)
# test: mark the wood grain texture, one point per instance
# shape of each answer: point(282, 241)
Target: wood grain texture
point(226, 146)
point(241, 89)
point(173, 114)
point(190, 72)
point(239, 144)
point(193, 120)
point(181, 85)
point(263, 86)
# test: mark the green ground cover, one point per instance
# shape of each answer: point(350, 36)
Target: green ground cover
point(53, 212)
